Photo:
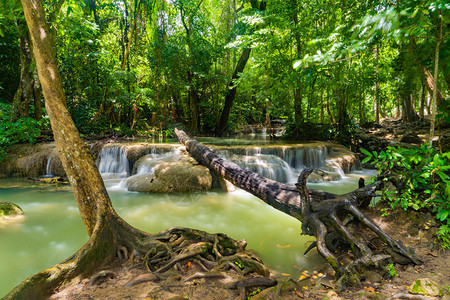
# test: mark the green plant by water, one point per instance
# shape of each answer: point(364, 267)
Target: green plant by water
point(423, 174)
point(19, 131)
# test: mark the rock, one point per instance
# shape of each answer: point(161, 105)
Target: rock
point(172, 177)
point(411, 138)
point(49, 180)
point(425, 286)
point(8, 209)
point(373, 277)
point(332, 295)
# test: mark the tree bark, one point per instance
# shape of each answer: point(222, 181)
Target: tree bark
point(130, 40)
point(75, 156)
point(24, 94)
point(426, 76)
point(317, 210)
point(406, 88)
point(377, 86)
point(230, 92)
point(436, 68)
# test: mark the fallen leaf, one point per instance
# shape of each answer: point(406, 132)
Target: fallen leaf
point(432, 254)
point(283, 246)
point(369, 289)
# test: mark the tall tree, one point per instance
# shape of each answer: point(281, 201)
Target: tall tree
point(111, 238)
point(231, 89)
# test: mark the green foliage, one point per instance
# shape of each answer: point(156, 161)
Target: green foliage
point(391, 270)
point(424, 181)
point(22, 130)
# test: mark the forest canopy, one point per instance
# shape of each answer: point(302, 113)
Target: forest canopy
point(139, 66)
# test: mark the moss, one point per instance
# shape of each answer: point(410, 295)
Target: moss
point(426, 287)
point(9, 209)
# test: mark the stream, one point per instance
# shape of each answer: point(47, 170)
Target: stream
point(51, 229)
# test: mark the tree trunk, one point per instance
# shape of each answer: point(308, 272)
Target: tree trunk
point(230, 92)
point(298, 113)
point(408, 112)
point(427, 77)
point(317, 210)
point(24, 94)
point(111, 238)
point(436, 68)
point(130, 40)
point(377, 86)
point(231, 88)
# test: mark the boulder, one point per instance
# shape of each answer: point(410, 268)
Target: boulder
point(410, 138)
point(179, 176)
point(8, 209)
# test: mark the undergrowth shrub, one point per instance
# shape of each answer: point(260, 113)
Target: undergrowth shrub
point(12, 132)
point(424, 174)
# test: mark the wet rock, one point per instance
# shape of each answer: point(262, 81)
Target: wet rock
point(425, 286)
point(175, 176)
point(8, 209)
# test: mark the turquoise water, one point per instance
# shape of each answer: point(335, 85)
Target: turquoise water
point(51, 229)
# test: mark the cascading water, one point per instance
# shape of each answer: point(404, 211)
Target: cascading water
point(282, 163)
point(113, 162)
point(146, 165)
point(48, 169)
point(270, 166)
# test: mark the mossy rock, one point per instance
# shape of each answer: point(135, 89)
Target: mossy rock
point(8, 209)
point(425, 286)
point(172, 177)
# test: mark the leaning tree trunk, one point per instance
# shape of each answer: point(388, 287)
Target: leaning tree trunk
point(111, 238)
point(320, 212)
point(231, 92)
point(231, 88)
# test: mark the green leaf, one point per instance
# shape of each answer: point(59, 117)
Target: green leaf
point(366, 160)
point(443, 176)
point(364, 151)
point(442, 215)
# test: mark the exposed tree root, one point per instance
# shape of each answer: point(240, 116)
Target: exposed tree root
point(192, 253)
point(321, 213)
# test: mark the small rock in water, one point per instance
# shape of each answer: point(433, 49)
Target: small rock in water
point(8, 209)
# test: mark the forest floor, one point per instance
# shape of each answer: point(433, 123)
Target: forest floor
point(414, 229)
point(393, 132)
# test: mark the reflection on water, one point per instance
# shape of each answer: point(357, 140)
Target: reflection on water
point(52, 229)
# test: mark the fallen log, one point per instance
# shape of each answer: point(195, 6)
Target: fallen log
point(321, 213)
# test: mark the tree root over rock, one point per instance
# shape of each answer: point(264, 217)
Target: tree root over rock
point(174, 257)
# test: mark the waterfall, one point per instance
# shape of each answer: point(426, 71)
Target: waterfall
point(48, 169)
point(113, 161)
point(270, 166)
point(296, 157)
point(282, 163)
